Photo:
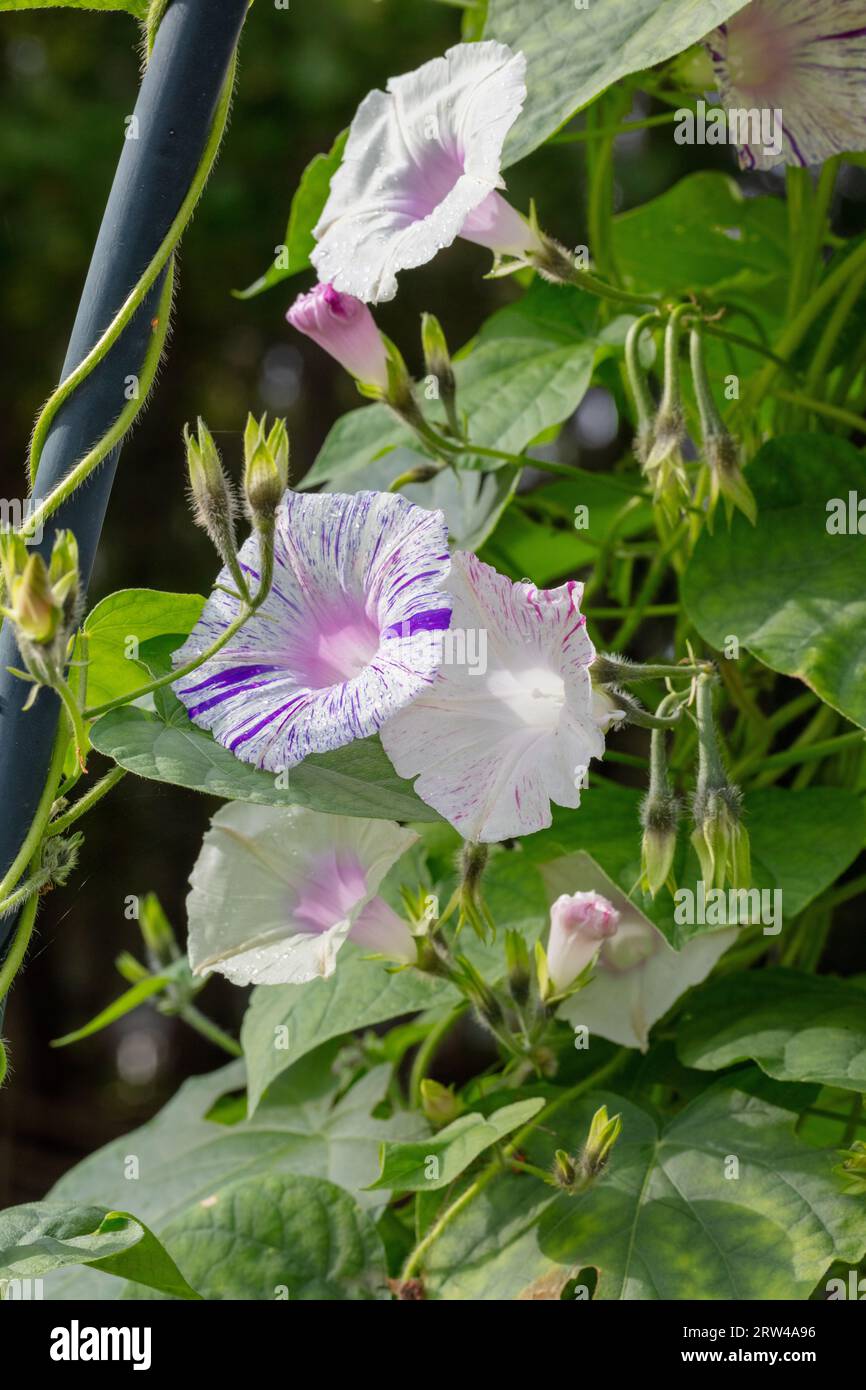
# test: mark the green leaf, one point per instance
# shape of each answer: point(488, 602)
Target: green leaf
point(138, 8)
point(703, 233)
point(354, 781)
point(285, 1022)
point(280, 1237)
point(128, 1001)
point(405, 1166)
point(781, 825)
point(528, 370)
point(306, 209)
point(540, 537)
point(664, 1221)
point(472, 502)
point(122, 623)
point(791, 592)
point(574, 54)
point(41, 1237)
point(184, 1157)
point(796, 1027)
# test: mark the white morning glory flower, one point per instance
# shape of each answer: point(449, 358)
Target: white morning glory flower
point(277, 890)
point(346, 637)
point(637, 976)
point(345, 328)
point(805, 58)
point(422, 167)
point(512, 720)
point(579, 924)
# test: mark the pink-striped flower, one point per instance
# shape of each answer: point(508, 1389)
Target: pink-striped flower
point(422, 167)
point(492, 746)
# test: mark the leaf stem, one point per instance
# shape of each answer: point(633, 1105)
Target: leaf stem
point(86, 802)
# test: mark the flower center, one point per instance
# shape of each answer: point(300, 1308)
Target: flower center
point(333, 884)
point(760, 54)
point(343, 643)
point(535, 696)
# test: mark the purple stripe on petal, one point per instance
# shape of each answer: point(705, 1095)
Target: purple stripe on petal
point(232, 675)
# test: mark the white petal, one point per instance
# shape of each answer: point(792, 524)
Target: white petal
point(418, 160)
point(493, 748)
point(257, 867)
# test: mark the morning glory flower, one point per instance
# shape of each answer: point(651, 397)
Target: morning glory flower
point(346, 637)
point(637, 976)
point(579, 924)
point(345, 328)
point(277, 890)
point(804, 58)
point(422, 167)
point(493, 742)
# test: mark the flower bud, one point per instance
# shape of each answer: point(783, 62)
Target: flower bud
point(439, 1103)
point(437, 360)
point(346, 329)
point(726, 476)
point(853, 1169)
point(659, 818)
point(603, 1134)
point(564, 1170)
point(213, 499)
point(517, 964)
point(159, 939)
point(720, 840)
point(263, 481)
point(719, 446)
point(580, 923)
point(44, 601)
point(34, 611)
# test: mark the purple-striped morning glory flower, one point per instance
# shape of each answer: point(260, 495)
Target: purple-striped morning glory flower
point(805, 58)
point(493, 742)
point(277, 890)
point(345, 328)
point(349, 634)
point(422, 167)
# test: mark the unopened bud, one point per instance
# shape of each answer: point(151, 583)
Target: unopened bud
point(726, 476)
point(437, 360)
point(439, 1103)
point(159, 939)
point(399, 394)
point(603, 1134)
point(517, 964)
point(660, 811)
point(34, 611)
point(564, 1170)
point(213, 499)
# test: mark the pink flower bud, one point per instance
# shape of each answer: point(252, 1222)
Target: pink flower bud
point(345, 328)
point(580, 923)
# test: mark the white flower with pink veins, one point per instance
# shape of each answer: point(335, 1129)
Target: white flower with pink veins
point(422, 167)
point(492, 748)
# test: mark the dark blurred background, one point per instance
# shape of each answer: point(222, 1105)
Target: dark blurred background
point(68, 81)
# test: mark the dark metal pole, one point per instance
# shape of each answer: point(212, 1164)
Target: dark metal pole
point(174, 111)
